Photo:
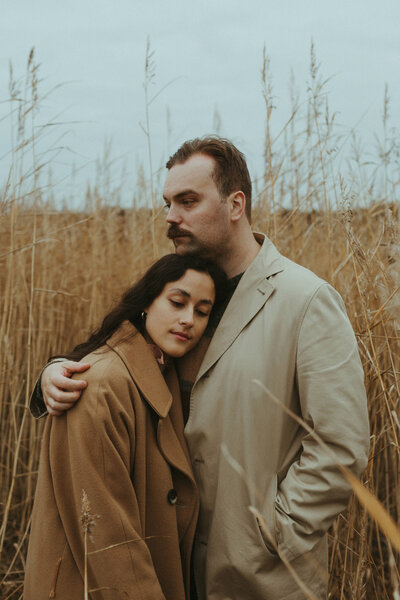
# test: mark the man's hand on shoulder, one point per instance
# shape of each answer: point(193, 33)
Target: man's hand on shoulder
point(60, 392)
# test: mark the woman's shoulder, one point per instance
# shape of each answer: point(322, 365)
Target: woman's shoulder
point(105, 367)
point(106, 363)
point(110, 386)
point(125, 371)
point(107, 406)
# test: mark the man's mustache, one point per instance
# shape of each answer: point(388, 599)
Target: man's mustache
point(174, 231)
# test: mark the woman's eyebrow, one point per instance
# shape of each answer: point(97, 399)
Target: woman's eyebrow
point(205, 301)
point(187, 295)
point(180, 291)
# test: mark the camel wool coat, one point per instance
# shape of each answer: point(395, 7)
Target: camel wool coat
point(123, 445)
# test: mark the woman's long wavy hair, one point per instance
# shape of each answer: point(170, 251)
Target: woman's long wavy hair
point(137, 298)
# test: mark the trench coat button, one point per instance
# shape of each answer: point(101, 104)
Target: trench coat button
point(172, 496)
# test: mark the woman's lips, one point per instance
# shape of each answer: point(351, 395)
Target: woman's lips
point(181, 336)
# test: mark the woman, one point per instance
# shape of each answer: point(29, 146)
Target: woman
point(116, 504)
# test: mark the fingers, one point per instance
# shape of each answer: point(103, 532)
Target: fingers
point(58, 375)
point(59, 391)
point(54, 413)
point(57, 408)
point(60, 396)
point(58, 401)
point(62, 383)
point(73, 367)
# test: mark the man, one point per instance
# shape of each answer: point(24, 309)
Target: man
point(269, 490)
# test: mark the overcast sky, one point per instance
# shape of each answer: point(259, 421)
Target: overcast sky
point(210, 54)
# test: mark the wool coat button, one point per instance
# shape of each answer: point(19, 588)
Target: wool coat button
point(172, 496)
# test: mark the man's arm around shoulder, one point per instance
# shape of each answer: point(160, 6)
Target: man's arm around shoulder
point(55, 391)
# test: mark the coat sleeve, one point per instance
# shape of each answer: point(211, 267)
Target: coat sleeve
point(332, 398)
point(92, 448)
point(37, 406)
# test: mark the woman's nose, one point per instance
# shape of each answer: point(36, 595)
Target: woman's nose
point(186, 317)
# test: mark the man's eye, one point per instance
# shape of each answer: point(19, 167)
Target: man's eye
point(166, 207)
point(187, 202)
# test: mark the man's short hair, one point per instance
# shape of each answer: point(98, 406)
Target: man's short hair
point(230, 174)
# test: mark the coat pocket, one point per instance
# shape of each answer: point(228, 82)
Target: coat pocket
point(266, 519)
point(266, 535)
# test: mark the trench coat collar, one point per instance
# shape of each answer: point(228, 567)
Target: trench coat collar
point(253, 291)
point(138, 358)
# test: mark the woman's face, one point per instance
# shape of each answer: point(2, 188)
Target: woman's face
point(177, 318)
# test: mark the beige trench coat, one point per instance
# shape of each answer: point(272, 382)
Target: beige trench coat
point(287, 331)
point(123, 444)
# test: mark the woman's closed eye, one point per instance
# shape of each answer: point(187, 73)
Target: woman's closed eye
point(199, 311)
point(177, 303)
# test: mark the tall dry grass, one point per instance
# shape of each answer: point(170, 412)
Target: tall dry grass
point(326, 205)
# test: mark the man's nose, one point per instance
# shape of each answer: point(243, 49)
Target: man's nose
point(173, 215)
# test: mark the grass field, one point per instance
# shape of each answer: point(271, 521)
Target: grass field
point(61, 270)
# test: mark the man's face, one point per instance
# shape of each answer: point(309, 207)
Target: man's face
point(198, 218)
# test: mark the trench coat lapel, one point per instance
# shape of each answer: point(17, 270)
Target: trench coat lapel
point(131, 347)
point(253, 291)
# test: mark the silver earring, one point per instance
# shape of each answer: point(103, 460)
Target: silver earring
point(143, 315)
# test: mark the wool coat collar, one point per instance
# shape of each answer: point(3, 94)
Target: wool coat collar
point(158, 390)
point(138, 358)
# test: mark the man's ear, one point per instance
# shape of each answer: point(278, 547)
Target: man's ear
point(238, 205)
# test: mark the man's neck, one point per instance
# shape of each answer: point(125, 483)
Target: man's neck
point(241, 254)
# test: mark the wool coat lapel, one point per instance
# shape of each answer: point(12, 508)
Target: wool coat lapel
point(170, 433)
point(139, 360)
point(146, 374)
